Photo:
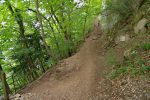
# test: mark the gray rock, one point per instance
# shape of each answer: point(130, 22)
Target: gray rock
point(127, 53)
point(122, 38)
point(140, 27)
point(1, 98)
point(17, 95)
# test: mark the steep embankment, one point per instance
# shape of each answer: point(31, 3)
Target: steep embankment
point(83, 76)
point(74, 78)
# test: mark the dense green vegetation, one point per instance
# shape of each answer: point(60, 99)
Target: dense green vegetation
point(36, 34)
point(138, 63)
point(124, 16)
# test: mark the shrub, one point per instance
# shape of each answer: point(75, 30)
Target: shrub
point(138, 64)
point(123, 8)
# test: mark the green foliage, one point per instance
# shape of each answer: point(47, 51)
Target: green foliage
point(146, 46)
point(118, 13)
point(23, 52)
point(137, 64)
point(111, 58)
point(123, 8)
point(119, 71)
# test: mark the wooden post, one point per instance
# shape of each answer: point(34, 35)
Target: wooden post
point(4, 84)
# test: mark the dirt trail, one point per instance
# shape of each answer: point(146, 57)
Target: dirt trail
point(77, 75)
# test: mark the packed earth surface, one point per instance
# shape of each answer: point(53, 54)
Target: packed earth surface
point(84, 77)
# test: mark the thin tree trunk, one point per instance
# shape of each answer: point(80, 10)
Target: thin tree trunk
point(42, 29)
point(85, 20)
point(19, 21)
point(57, 20)
point(50, 26)
point(62, 27)
point(6, 87)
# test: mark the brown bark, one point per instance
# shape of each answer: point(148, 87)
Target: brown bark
point(6, 88)
point(42, 29)
point(19, 20)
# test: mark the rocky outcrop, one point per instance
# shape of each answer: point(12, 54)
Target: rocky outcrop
point(140, 27)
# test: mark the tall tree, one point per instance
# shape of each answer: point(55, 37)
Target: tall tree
point(42, 28)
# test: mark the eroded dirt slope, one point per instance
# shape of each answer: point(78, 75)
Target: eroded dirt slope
point(74, 78)
point(84, 76)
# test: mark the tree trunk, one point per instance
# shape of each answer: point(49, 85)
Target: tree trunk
point(6, 88)
point(42, 29)
point(19, 20)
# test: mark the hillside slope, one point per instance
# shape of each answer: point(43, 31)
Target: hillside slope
point(74, 78)
point(102, 70)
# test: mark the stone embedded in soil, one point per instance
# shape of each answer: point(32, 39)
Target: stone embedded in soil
point(122, 38)
point(94, 38)
point(140, 27)
point(22, 97)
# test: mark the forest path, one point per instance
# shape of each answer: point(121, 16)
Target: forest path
point(76, 77)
